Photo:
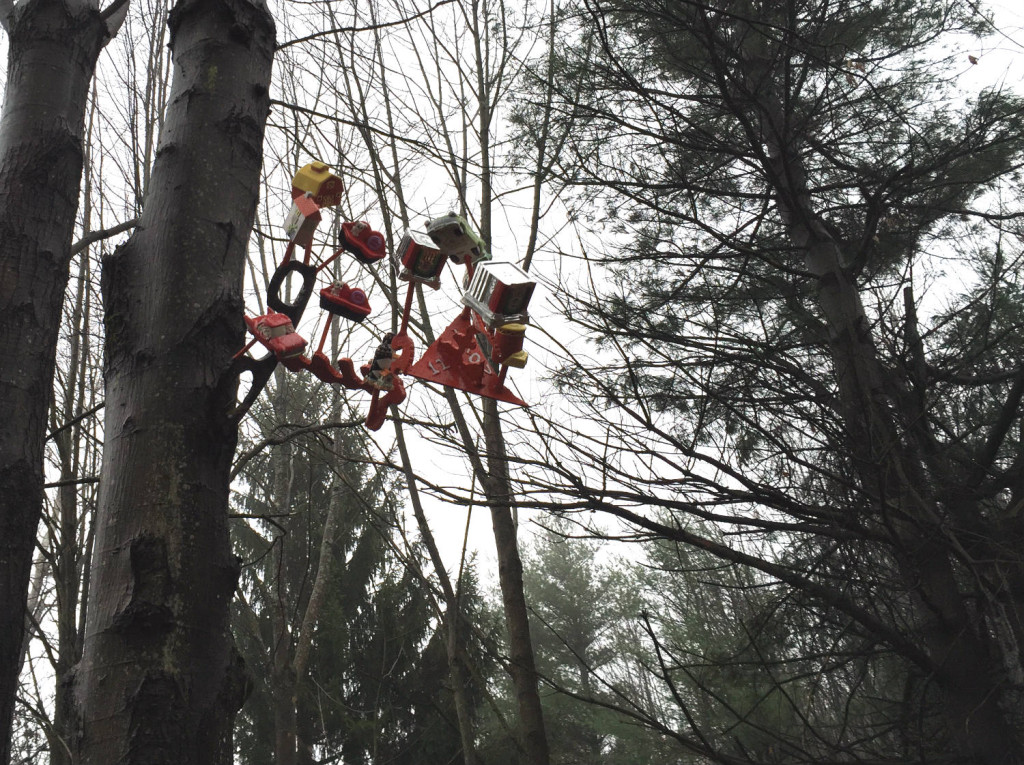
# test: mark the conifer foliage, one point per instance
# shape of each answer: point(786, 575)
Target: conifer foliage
point(786, 350)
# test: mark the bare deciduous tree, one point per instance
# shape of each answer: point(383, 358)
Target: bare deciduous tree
point(53, 48)
point(159, 680)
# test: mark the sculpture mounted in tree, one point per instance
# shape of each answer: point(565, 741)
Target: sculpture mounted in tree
point(473, 354)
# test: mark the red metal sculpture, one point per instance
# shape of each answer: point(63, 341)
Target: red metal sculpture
point(473, 354)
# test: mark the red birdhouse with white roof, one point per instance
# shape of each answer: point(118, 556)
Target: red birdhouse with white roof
point(302, 221)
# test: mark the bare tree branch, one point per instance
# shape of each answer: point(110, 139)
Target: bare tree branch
point(114, 15)
point(367, 28)
point(96, 236)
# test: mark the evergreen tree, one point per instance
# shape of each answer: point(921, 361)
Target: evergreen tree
point(572, 615)
point(785, 187)
point(586, 607)
point(373, 687)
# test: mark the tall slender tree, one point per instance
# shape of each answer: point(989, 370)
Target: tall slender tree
point(52, 54)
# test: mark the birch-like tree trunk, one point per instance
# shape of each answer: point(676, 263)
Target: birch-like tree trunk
point(160, 681)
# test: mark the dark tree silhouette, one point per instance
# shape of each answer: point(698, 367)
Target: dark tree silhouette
point(787, 181)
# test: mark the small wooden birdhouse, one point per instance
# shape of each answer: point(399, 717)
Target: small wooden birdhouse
point(302, 221)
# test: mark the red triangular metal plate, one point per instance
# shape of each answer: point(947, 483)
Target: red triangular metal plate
point(455, 360)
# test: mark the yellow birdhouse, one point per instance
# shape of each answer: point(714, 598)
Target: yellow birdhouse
point(317, 180)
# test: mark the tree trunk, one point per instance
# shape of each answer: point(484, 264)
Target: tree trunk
point(522, 665)
point(283, 691)
point(510, 577)
point(67, 558)
point(287, 558)
point(159, 680)
point(51, 60)
point(896, 486)
point(455, 629)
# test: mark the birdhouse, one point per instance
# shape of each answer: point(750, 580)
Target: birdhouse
point(500, 293)
point(317, 180)
point(507, 345)
point(418, 259)
point(302, 221)
point(455, 239)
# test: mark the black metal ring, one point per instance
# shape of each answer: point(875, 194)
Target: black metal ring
point(294, 309)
